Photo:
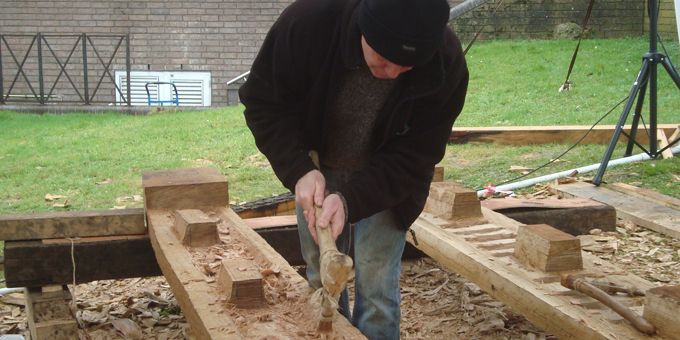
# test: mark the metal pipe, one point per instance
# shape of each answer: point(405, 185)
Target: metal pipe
point(86, 84)
point(41, 79)
point(2, 89)
point(239, 77)
point(127, 67)
point(532, 181)
point(4, 291)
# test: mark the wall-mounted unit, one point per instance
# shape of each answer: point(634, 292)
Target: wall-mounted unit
point(193, 88)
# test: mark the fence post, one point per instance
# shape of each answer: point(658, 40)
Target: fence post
point(85, 76)
point(41, 80)
point(127, 67)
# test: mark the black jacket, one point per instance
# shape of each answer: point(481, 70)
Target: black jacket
point(293, 81)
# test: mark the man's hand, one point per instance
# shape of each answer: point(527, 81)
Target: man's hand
point(309, 191)
point(333, 215)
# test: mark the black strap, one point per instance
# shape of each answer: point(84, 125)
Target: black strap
point(580, 36)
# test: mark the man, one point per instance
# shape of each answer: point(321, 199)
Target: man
point(374, 87)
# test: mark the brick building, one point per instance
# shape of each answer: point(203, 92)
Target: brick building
point(181, 38)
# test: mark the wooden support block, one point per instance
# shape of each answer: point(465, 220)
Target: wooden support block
point(438, 174)
point(451, 201)
point(548, 249)
point(36, 263)
point(72, 224)
point(185, 189)
point(576, 216)
point(241, 281)
point(662, 309)
point(196, 229)
point(49, 314)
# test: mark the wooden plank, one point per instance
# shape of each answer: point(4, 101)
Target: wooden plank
point(72, 224)
point(271, 222)
point(36, 263)
point(640, 211)
point(497, 204)
point(536, 295)
point(548, 249)
point(185, 189)
point(525, 135)
point(647, 194)
point(661, 309)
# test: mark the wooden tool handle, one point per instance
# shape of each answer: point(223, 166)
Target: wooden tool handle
point(324, 235)
point(584, 287)
point(335, 267)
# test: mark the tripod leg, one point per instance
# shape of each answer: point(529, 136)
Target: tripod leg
point(636, 119)
point(642, 75)
point(671, 71)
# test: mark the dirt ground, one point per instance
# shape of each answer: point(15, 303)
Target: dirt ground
point(436, 303)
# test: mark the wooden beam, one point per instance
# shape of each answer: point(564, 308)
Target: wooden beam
point(647, 194)
point(640, 211)
point(72, 224)
point(662, 309)
point(525, 135)
point(39, 263)
point(200, 297)
point(185, 189)
point(536, 295)
point(548, 249)
point(576, 216)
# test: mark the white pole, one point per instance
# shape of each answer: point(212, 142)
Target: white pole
point(532, 181)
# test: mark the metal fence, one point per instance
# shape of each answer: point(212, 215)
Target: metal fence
point(42, 89)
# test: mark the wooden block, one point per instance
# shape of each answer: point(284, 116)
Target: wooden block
point(196, 229)
point(576, 216)
point(241, 280)
point(548, 249)
point(49, 314)
point(662, 309)
point(451, 201)
point(662, 142)
point(71, 224)
point(438, 174)
point(185, 189)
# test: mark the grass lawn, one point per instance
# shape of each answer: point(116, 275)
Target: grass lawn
point(96, 160)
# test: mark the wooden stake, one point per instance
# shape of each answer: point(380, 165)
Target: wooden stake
point(662, 143)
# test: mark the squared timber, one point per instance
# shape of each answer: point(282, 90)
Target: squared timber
point(185, 189)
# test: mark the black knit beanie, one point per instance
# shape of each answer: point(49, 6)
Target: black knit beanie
point(405, 32)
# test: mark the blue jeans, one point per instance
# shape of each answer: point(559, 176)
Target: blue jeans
point(378, 246)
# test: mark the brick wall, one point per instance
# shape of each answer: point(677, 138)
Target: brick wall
point(220, 36)
point(667, 21)
point(538, 18)
point(223, 36)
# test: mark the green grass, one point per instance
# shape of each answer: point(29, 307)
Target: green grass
point(512, 83)
point(516, 82)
